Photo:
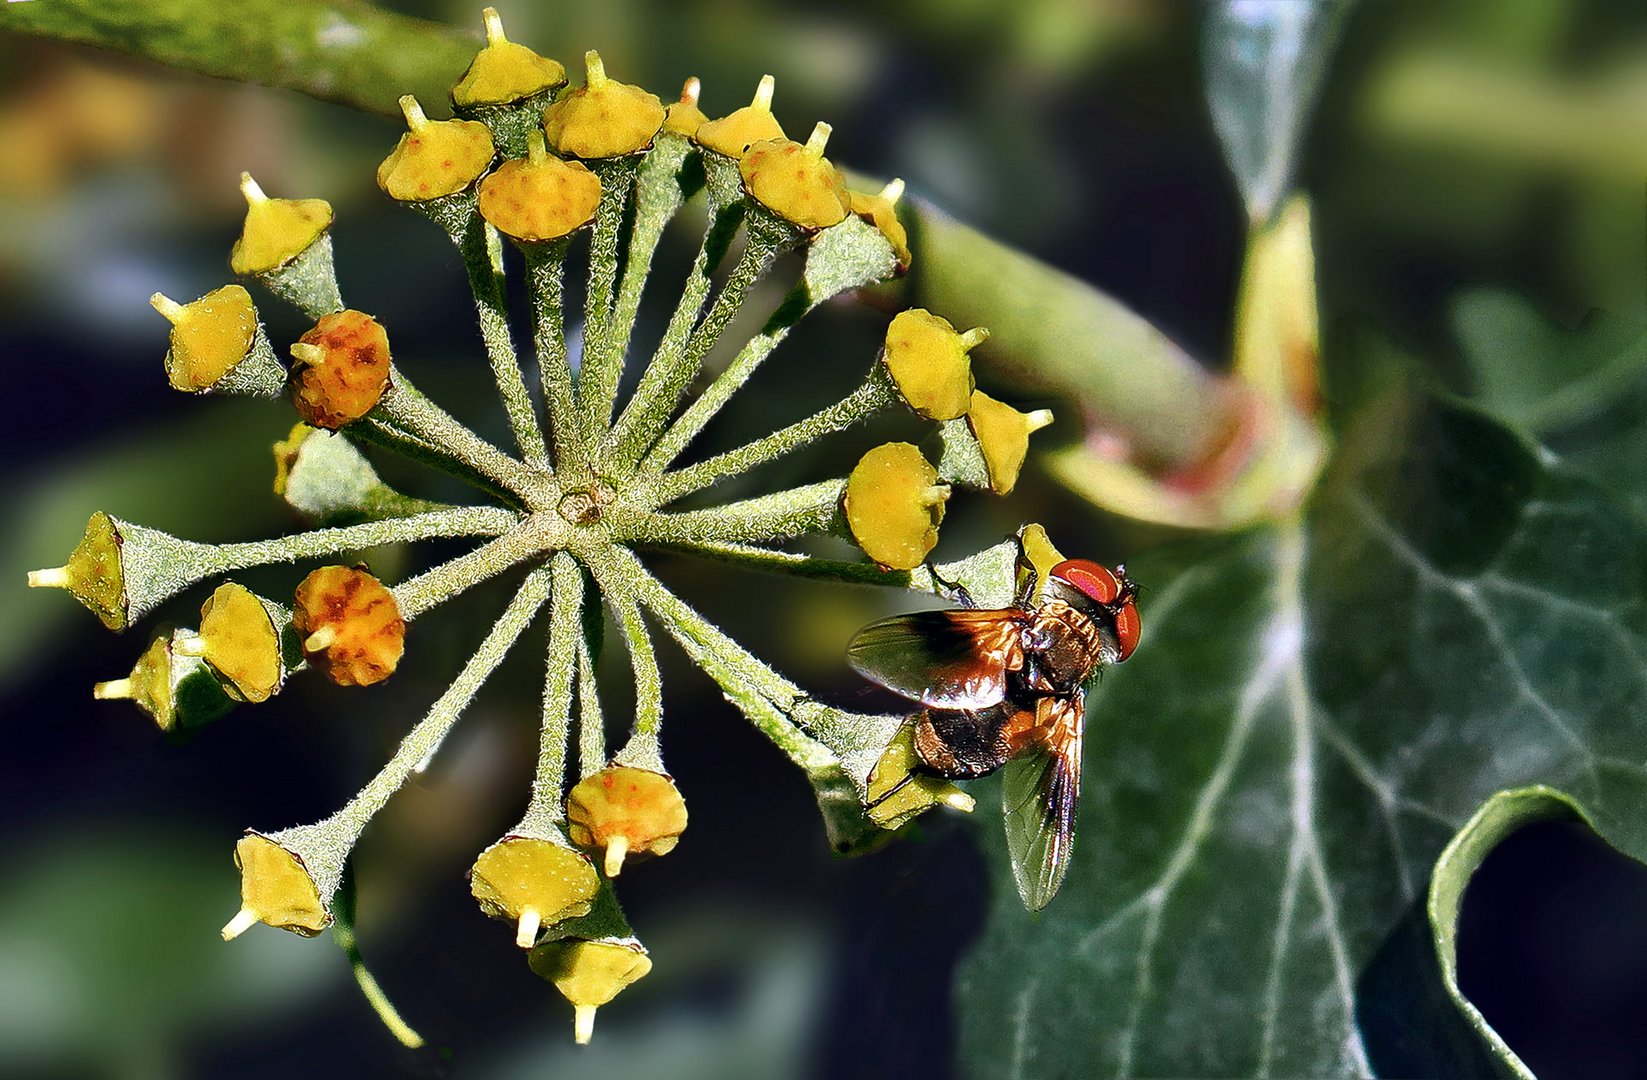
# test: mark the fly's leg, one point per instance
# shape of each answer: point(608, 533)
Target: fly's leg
point(1028, 578)
point(952, 591)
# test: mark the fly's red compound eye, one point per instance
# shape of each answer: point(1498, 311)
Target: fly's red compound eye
point(1098, 582)
point(1127, 629)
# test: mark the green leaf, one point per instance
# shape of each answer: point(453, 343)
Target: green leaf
point(1315, 709)
point(1580, 390)
point(337, 50)
point(1500, 816)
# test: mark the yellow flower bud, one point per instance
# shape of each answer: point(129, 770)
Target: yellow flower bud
point(350, 625)
point(1003, 435)
point(795, 181)
point(504, 72)
point(603, 118)
point(531, 881)
point(210, 336)
point(435, 157)
point(276, 231)
point(239, 639)
point(623, 810)
point(277, 889)
point(539, 197)
point(928, 361)
point(898, 793)
point(590, 973)
point(683, 117)
point(894, 504)
point(880, 210)
point(179, 692)
point(342, 369)
point(94, 573)
point(733, 134)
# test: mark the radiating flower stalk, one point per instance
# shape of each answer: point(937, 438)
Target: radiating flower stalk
point(592, 476)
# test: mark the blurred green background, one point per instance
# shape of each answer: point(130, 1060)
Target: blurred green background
point(1477, 168)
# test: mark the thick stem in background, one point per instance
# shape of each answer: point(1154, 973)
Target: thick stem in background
point(1054, 333)
point(295, 44)
point(482, 251)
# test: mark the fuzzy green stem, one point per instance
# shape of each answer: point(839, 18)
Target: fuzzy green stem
point(642, 750)
point(439, 584)
point(846, 256)
point(482, 252)
point(423, 739)
point(545, 811)
point(545, 274)
point(407, 409)
point(343, 932)
point(602, 365)
point(864, 402)
point(318, 543)
point(779, 515)
point(763, 695)
point(659, 192)
point(591, 723)
point(679, 356)
point(379, 432)
point(751, 557)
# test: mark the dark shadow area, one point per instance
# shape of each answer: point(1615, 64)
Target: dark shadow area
point(1552, 948)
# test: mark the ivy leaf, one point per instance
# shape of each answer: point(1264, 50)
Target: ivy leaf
point(1500, 816)
point(1316, 708)
point(1580, 390)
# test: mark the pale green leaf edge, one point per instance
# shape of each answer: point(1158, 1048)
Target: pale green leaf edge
point(1499, 817)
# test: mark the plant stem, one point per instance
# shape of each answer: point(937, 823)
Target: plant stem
point(779, 515)
point(378, 432)
point(602, 365)
point(458, 521)
point(439, 584)
point(759, 692)
point(565, 630)
point(642, 750)
point(482, 252)
point(545, 272)
point(874, 395)
point(403, 406)
point(846, 256)
point(659, 192)
point(677, 360)
point(768, 560)
point(591, 724)
point(416, 747)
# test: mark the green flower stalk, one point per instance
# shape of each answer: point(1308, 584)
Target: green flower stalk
point(588, 177)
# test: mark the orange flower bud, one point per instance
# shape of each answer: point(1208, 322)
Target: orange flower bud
point(350, 625)
point(342, 369)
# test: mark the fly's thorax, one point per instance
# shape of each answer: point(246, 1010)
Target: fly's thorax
point(1069, 644)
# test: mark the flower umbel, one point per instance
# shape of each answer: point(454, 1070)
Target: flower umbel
point(585, 175)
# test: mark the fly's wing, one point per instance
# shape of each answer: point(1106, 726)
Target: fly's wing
point(943, 659)
point(1038, 795)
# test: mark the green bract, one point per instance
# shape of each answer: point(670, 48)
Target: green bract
point(591, 477)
